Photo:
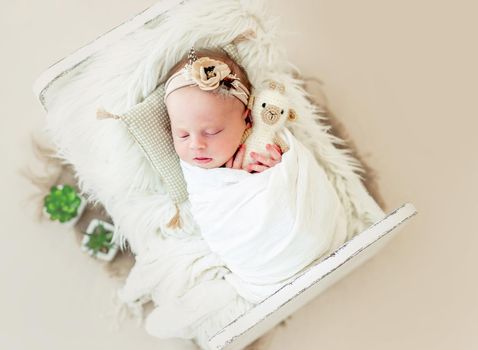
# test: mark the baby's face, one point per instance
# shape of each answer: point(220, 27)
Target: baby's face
point(207, 128)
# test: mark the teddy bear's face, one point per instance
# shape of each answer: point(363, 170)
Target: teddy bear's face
point(270, 109)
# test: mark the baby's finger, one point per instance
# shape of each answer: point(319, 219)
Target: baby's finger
point(262, 159)
point(256, 167)
point(229, 163)
point(239, 158)
point(274, 152)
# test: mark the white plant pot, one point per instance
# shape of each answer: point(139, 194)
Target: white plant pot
point(99, 255)
point(72, 221)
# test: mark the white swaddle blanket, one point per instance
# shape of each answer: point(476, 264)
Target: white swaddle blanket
point(267, 226)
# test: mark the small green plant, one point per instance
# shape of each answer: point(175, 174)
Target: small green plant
point(99, 240)
point(62, 203)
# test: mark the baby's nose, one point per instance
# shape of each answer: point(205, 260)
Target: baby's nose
point(197, 142)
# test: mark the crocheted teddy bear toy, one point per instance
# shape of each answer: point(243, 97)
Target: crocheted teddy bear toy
point(269, 112)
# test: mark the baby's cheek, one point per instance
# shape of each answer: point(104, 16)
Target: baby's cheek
point(180, 149)
point(176, 147)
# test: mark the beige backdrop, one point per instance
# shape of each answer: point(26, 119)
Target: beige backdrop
point(401, 78)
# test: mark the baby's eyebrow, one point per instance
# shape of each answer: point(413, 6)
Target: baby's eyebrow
point(209, 127)
point(177, 128)
point(179, 131)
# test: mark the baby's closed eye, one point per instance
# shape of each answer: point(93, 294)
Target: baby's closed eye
point(213, 132)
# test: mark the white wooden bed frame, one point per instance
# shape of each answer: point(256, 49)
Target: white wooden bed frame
point(264, 316)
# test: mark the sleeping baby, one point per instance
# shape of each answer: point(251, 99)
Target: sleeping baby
point(208, 125)
point(269, 218)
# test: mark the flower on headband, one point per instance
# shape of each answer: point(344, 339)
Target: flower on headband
point(209, 73)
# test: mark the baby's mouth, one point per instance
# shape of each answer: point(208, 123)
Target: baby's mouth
point(202, 160)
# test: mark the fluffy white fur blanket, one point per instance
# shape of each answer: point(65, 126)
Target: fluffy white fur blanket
point(112, 169)
point(268, 226)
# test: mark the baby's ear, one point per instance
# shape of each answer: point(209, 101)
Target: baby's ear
point(292, 115)
point(246, 113)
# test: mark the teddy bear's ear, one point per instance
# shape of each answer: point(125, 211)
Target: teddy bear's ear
point(281, 88)
point(274, 85)
point(292, 115)
point(250, 103)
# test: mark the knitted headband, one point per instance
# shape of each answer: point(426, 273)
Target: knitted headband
point(208, 74)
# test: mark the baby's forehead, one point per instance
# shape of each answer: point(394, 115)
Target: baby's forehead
point(193, 101)
point(215, 98)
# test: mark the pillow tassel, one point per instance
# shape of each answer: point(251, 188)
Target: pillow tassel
point(101, 113)
point(175, 221)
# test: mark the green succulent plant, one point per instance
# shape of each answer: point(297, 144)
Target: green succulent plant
point(100, 240)
point(62, 203)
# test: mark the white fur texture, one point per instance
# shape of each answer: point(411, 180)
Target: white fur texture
point(111, 168)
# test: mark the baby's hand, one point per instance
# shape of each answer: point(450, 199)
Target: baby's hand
point(263, 162)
